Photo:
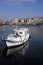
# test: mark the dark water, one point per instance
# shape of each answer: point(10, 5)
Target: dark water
point(29, 54)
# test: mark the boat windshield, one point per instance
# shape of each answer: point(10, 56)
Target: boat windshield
point(15, 32)
point(20, 32)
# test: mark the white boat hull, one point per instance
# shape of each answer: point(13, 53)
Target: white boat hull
point(11, 44)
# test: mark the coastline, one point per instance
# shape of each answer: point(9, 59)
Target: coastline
point(23, 24)
point(23, 21)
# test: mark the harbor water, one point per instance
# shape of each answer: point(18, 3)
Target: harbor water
point(29, 53)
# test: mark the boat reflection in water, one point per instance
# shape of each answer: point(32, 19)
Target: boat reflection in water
point(21, 50)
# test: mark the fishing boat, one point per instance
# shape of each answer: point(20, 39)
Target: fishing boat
point(19, 37)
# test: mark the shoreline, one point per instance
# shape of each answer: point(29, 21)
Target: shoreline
point(22, 24)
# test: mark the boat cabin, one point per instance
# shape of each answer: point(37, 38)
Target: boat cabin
point(21, 31)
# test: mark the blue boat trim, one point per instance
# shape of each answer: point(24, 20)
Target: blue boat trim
point(14, 41)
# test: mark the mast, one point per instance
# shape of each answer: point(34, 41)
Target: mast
point(16, 20)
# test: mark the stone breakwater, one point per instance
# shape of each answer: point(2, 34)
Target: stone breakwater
point(23, 21)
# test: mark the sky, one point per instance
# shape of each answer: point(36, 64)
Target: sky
point(10, 9)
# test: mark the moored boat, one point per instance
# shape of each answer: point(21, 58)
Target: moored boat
point(19, 37)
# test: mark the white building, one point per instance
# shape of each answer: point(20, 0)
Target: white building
point(16, 20)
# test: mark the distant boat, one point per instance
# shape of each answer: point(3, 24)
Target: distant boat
point(19, 37)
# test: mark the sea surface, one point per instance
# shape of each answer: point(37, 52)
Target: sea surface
point(31, 53)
